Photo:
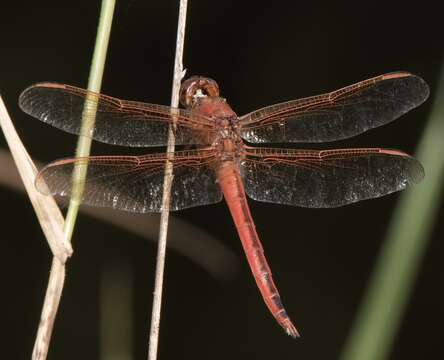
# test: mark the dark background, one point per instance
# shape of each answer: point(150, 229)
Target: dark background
point(260, 53)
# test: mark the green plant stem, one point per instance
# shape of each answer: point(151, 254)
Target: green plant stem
point(392, 281)
point(57, 273)
point(88, 120)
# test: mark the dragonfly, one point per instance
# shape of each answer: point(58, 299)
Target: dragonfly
point(219, 159)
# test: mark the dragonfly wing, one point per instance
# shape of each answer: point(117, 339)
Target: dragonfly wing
point(135, 183)
point(328, 178)
point(337, 115)
point(117, 122)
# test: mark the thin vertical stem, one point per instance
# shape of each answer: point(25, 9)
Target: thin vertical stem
point(49, 310)
point(89, 112)
point(57, 273)
point(396, 269)
point(160, 264)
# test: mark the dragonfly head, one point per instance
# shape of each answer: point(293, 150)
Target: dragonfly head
point(196, 87)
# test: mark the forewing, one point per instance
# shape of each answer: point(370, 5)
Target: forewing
point(117, 122)
point(337, 115)
point(135, 183)
point(328, 178)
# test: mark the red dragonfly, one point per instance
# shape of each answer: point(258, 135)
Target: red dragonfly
point(222, 165)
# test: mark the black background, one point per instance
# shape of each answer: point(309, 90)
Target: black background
point(260, 53)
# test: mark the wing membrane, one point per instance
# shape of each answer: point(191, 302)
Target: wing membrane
point(135, 183)
point(339, 114)
point(118, 122)
point(328, 178)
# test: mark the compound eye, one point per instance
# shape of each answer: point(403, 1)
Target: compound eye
point(195, 87)
point(210, 87)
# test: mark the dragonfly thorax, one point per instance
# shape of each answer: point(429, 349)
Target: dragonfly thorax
point(215, 108)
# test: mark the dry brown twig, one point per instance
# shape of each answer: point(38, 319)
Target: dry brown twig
point(51, 221)
point(160, 263)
